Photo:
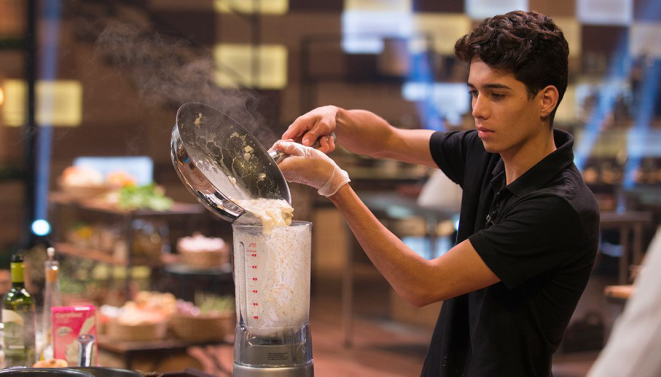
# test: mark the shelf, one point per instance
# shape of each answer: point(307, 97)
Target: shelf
point(100, 206)
point(167, 344)
point(12, 44)
point(63, 204)
point(625, 218)
point(182, 269)
point(161, 349)
point(100, 256)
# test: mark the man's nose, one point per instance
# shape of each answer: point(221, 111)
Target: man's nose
point(480, 107)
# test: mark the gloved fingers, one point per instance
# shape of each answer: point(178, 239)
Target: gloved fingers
point(308, 170)
point(274, 146)
point(292, 149)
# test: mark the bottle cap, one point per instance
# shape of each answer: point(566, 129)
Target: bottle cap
point(17, 269)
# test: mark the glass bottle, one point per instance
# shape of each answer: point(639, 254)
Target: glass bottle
point(52, 297)
point(18, 317)
point(2, 341)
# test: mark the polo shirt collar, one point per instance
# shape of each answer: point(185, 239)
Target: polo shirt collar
point(543, 171)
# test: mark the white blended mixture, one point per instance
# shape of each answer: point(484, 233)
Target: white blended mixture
point(271, 212)
point(273, 280)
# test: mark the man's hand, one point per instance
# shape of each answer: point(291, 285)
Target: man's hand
point(316, 124)
point(311, 167)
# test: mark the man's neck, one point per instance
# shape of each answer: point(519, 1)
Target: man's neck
point(528, 155)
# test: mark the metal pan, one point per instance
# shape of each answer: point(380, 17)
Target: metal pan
point(108, 372)
point(219, 161)
point(43, 372)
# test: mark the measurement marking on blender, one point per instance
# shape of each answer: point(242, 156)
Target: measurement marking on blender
point(254, 279)
point(254, 267)
point(254, 291)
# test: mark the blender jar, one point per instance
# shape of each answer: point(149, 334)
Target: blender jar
point(272, 283)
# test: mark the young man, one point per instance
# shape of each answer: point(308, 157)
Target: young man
point(528, 231)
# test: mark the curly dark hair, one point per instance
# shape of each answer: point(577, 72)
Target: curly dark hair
point(529, 44)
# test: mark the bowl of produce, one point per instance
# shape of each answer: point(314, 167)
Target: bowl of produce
point(80, 182)
point(211, 318)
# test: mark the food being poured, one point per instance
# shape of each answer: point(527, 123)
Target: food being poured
point(271, 212)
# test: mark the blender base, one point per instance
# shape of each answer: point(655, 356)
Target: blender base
point(300, 371)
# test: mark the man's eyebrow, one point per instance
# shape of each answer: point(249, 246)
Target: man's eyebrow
point(491, 86)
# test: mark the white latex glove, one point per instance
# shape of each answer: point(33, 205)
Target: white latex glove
point(311, 167)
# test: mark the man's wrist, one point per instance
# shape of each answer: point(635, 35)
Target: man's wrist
point(338, 179)
point(341, 195)
point(340, 120)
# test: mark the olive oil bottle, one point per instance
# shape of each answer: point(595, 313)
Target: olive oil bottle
point(18, 317)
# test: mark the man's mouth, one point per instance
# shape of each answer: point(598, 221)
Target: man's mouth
point(484, 132)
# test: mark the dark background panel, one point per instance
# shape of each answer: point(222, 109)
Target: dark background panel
point(443, 6)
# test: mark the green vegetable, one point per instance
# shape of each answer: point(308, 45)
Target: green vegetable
point(148, 196)
point(71, 286)
point(210, 303)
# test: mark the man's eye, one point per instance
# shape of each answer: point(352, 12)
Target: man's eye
point(497, 96)
point(473, 93)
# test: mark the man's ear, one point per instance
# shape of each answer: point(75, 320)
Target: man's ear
point(549, 98)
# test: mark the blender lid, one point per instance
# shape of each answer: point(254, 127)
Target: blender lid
point(219, 161)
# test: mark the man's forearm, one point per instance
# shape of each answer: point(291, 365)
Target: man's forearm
point(402, 267)
point(417, 280)
point(362, 132)
point(366, 133)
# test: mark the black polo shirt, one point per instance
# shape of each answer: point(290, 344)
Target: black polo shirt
point(539, 235)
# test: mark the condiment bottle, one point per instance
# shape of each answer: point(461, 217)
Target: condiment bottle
point(52, 297)
point(18, 317)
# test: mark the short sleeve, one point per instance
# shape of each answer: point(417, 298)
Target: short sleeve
point(536, 235)
point(449, 151)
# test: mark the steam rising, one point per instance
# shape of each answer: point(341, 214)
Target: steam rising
point(171, 71)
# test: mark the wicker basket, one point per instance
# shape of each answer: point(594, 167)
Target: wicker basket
point(205, 259)
point(84, 192)
point(134, 333)
point(202, 328)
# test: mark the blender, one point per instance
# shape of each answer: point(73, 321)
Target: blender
point(272, 286)
point(222, 164)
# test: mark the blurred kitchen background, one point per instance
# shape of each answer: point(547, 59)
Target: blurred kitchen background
point(96, 84)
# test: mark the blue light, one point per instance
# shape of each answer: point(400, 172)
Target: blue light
point(618, 71)
point(420, 81)
point(449, 100)
point(480, 9)
point(48, 72)
point(363, 31)
point(41, 227)
point(639, 135)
